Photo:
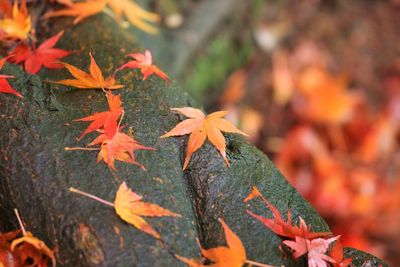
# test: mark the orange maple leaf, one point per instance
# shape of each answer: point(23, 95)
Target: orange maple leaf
point(144, 62)
point(16, 23)
point(132, 11)
point(120, 147)
point(31, 249)
point(35, 58)
point(338, 257)
point(200, 127)
point(80, 10)
point(278, 225)
point(5, 87)
point(92, 80)
point(135, 15)
point(233, 255)
point(108, 120)
point(131, 208)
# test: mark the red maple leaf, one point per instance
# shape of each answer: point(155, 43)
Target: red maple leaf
point(120, 147)
point(144, 62)
point(5, 87)
point(278, 225)
point(108, 120)
point(45, 55)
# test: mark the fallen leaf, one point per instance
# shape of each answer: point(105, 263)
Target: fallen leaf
point(131, 208)
point(92, 80)
point(16, 22)
point(45, 55)
point(5, 87)
point(278, 225)
point(136, 15)
point(233, 255)
point(315, 248)
point(144, 62)
point(338, 257)
point(107, 120)
point(200, 127)
point(80, 10)
point(7, 258)
point(120, 147)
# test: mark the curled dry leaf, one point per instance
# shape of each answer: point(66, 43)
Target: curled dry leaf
point(200, 127)
point(5, 87)
point(144, 62)
point(278, 225)
point(45, 55)
point(130, 207)
point(107, 120)
point(120, 147)
point(33, 249)
point(16, 22)
point(92, 80)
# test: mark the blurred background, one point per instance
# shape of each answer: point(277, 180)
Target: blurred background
point(316, 84)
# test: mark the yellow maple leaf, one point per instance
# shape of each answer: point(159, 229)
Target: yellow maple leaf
point(16, 23)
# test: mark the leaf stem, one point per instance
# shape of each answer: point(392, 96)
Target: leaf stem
point(257, 263)
point(74, 190)
point(81, 148)
point(20, 222)
point(120, 120)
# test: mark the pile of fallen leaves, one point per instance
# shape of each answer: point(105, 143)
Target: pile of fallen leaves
point(112, 143)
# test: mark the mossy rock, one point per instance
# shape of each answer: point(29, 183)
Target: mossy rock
point(36, 171)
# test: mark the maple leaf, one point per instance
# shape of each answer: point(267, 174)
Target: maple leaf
point(45, 55)
point(92, 80)
point(31, 249)
point(7, 258)
point(107, 119)
point(233, 255)
point(144, 62)
point(278, 225)
point(80, 10)
point(129, 9)
point(315, 248)
point(135, 15)
point(16, 23)
point(131, 208)
point(120, 147)
point(200, 127)
point(5, 87)
point(337, 256)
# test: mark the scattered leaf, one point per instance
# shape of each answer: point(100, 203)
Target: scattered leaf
point(315, 248)
point(130, 207)
point(107, 120)
point(16, 23)
point(120, 147)
point(92, 80)
point(278, 224)
point(144, 62)
point(5, 87)
point(45, 55)
point(80, 10)
point(200, 127)
point(338, 257)
point(136, 15)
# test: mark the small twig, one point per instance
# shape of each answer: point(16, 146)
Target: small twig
point(74, 190)
point(81, 148)
point(20, 222)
